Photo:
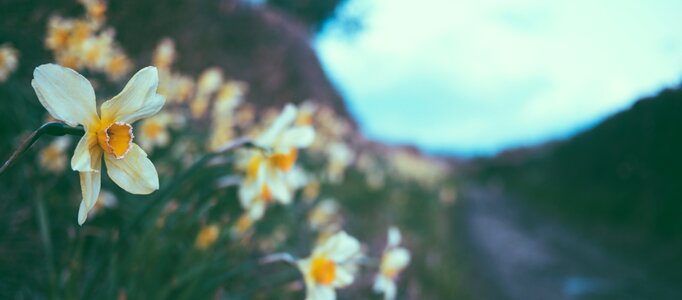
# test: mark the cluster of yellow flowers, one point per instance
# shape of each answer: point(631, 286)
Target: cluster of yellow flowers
point(83, 43)
point(69, 97)
point(270, 173)
point(9, 60)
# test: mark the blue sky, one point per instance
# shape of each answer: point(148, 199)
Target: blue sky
point(476, 77)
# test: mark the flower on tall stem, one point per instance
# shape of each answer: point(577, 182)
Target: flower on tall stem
point(332, 265)
point(69, 97)
point(393, 261)
point(269, 170)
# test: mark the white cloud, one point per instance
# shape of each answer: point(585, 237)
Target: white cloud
point(479, 76)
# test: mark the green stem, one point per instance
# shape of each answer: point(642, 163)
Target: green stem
point(52, 128)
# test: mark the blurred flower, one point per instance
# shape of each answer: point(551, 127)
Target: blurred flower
point(69, 97)
point(243, 226)
point(105, 200)
point(176, 88)
point(311, 190)
point(331, 265)
point(245, 115)
point(79, 43)
point(118, 65)
point(96, 9)
point(228, 98)
point(209, 82)
point(9, 59)
point(267, 174)
point(164, 54)
point(305, 113)
point(325, 216)
point(410, 166)
point(53, 157)
point(340, 157)
point(58, 33)
point(393, 261)
point(207, 236)
point(154, 132)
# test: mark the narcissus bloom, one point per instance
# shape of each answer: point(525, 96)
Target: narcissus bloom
point(8, 61)
point(331, 265)
point(69, 97)
point(268, 173)
point(393, 261)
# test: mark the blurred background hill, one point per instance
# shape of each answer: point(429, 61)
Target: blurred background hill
point(617, 183)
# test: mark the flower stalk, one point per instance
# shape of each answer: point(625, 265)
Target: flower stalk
point(52, 128)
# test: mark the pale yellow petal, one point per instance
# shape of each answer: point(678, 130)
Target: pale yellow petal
point(299, 137)
point(284, 120)
point(137, 100)
point(135, 173)
point(65, 94)
point(321, 292)
point(86, 150)
point(344, 277)
point(394, 237)
point(90, 187)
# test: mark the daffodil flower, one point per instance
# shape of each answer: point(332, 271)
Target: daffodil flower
point(69, 97)
point(393, 261)
point(331, 265)
point(269, 174)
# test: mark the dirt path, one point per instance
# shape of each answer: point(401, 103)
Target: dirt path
point(528, 257)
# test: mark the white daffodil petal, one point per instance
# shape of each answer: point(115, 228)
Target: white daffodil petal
point(393, 237)
point(288, 115)
point(256, 210)
point(65, 94)
point(321, 292)
point(346, 247)
point(90, 186)
point(299, 137)
point(397, 258)
point(82, 213)
point(278, 187)
point(386, 286)
point(343, 278)
point(137, 100)
point(86, 150)
point(247, 193)
point(135, 173)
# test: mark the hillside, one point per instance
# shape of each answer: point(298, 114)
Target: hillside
point(618, 182)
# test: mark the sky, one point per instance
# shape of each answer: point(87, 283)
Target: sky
point(477, 77)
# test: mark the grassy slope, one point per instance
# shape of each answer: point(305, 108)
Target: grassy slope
point(619, 182)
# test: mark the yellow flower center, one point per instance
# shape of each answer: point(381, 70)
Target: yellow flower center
point(387, 270)
point(265, 193)
point(284, 161)
point(323, 270)
point(252, 167)
point(116, 138)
